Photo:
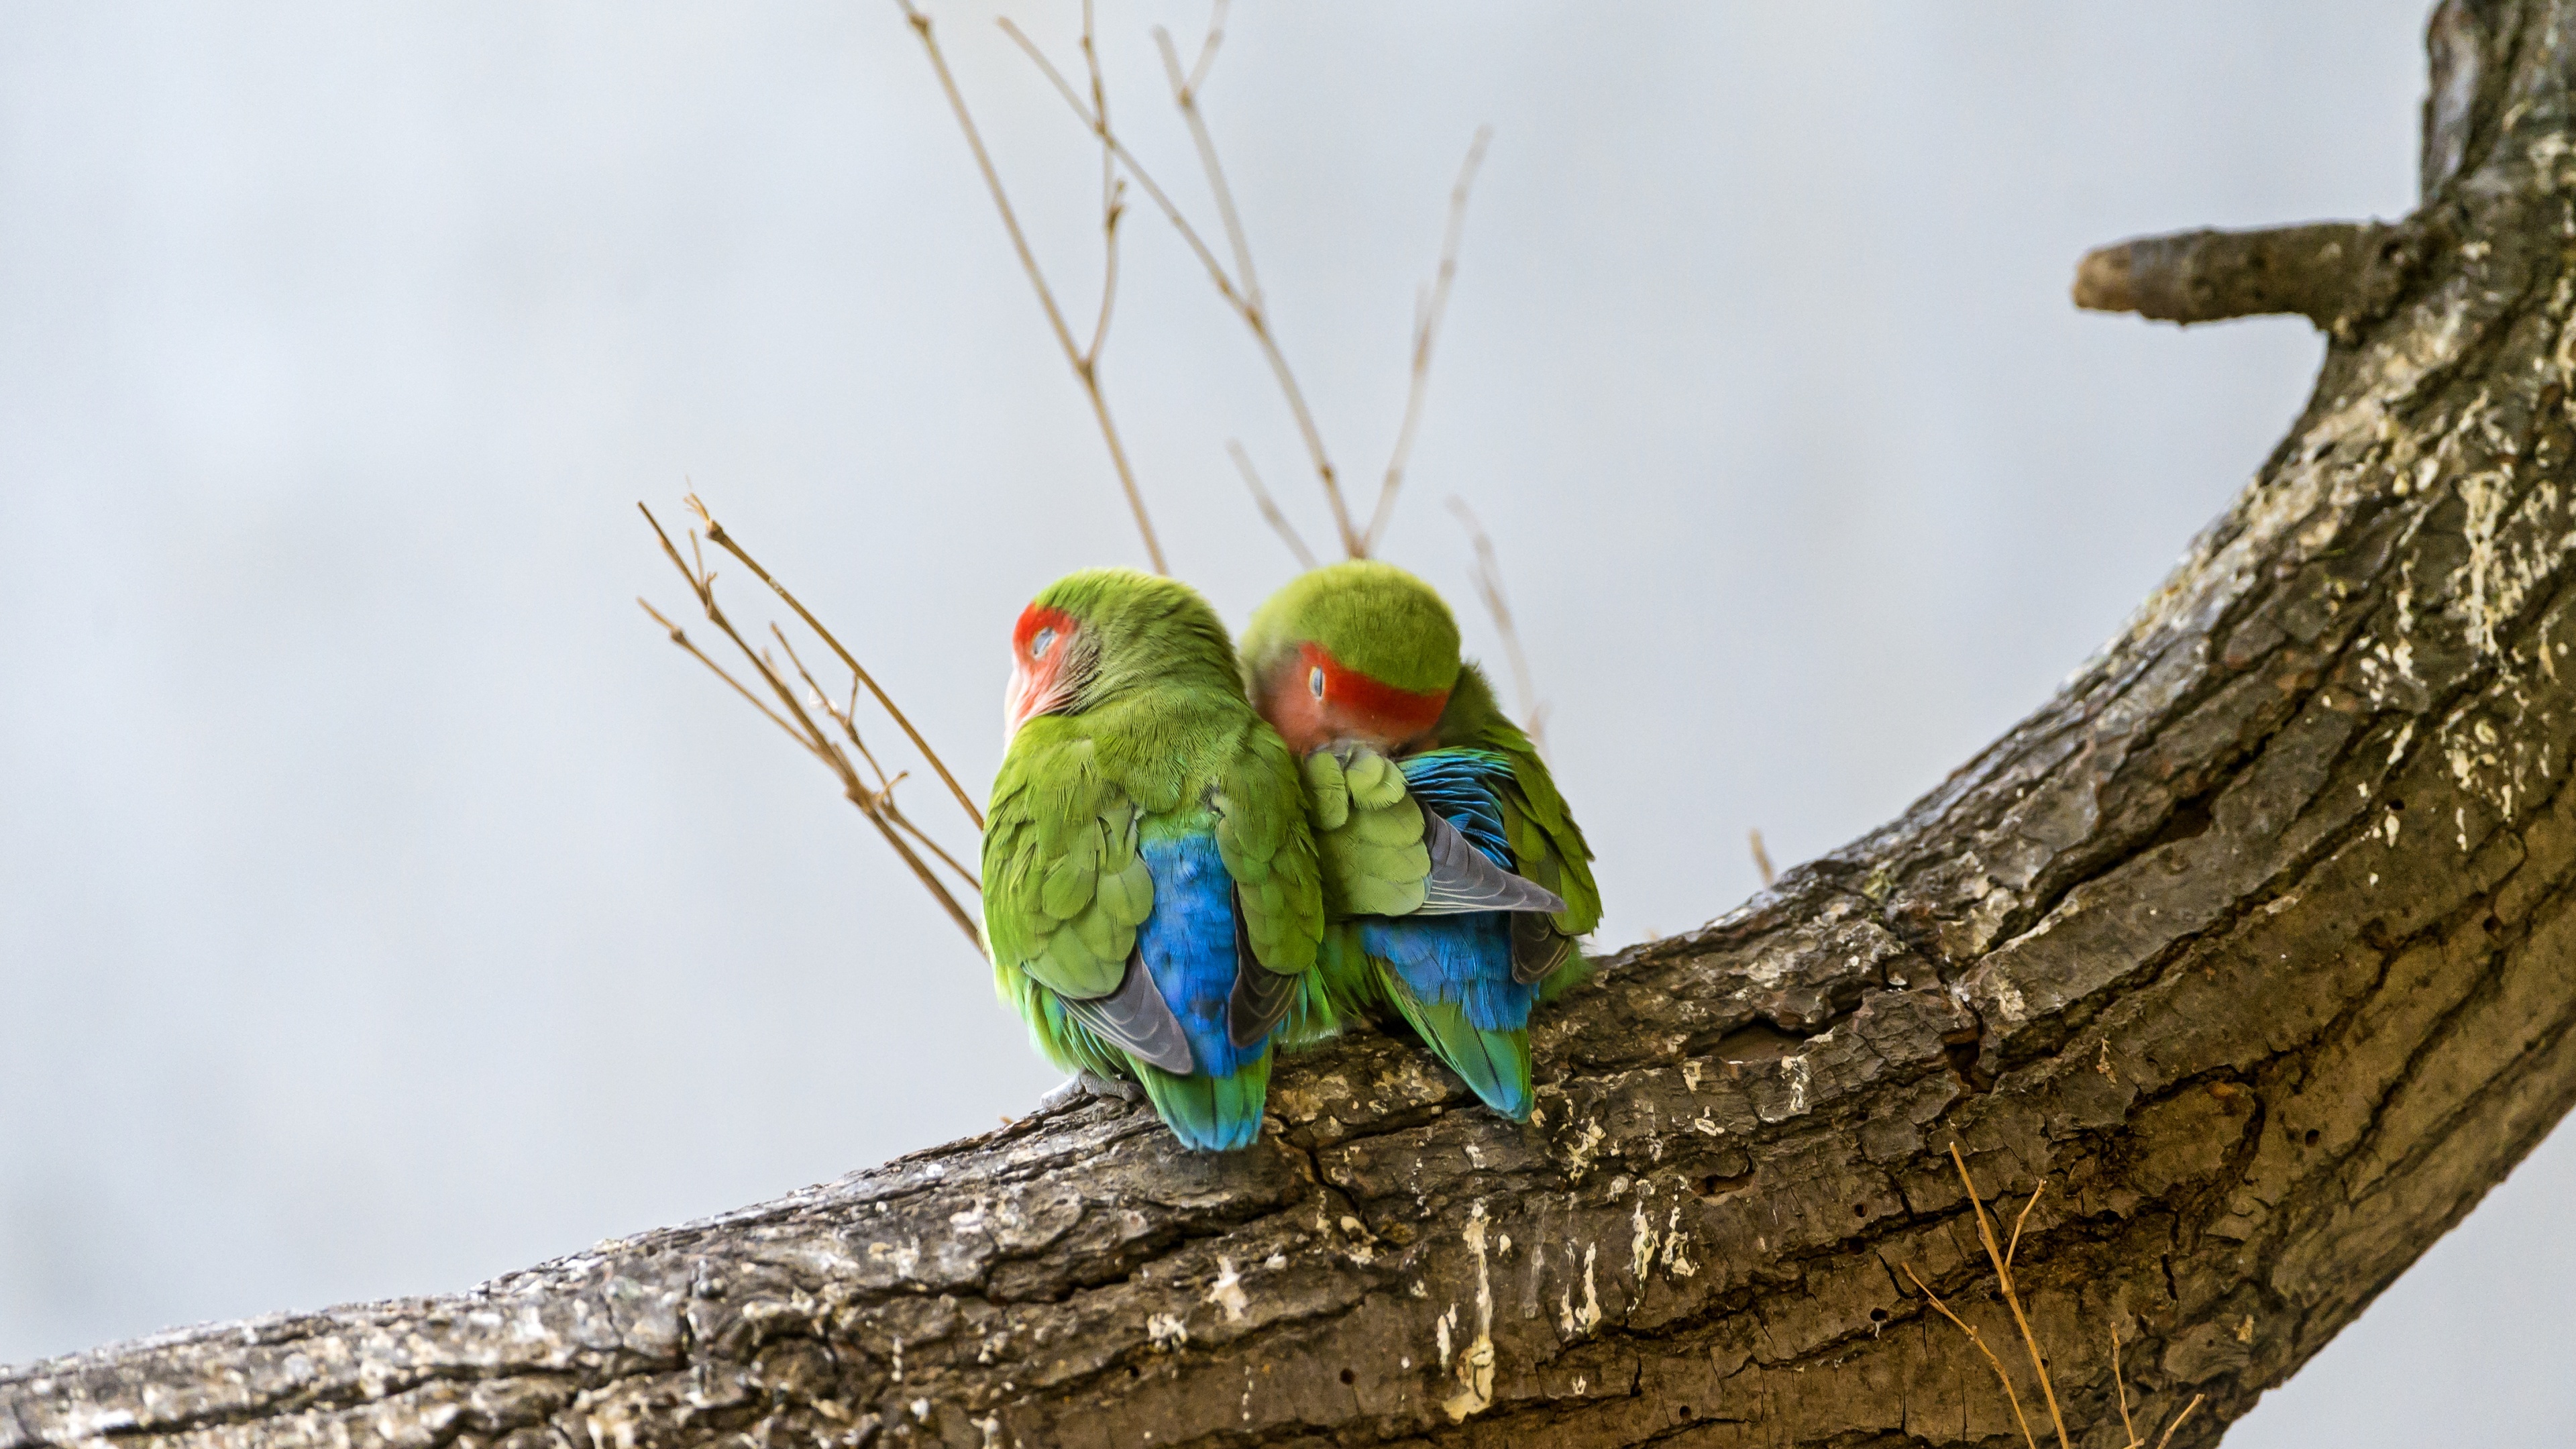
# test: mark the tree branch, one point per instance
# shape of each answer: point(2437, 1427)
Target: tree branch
point(2332, 273)
point(2255, 941)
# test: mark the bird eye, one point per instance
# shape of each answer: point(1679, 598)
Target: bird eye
point(1044, 641)
point(1315, 681)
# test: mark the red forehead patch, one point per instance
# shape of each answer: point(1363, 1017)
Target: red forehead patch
point(1397, 711)
point(1036, 617)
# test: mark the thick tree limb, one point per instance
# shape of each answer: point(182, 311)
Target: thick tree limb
point(2256, 943)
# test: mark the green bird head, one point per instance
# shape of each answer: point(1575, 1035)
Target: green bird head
point(1359, 650)
point(1096, 636)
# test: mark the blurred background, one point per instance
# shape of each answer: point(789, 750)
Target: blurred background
point(385, 904)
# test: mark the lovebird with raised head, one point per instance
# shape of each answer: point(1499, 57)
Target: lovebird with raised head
point(1455, 877)
point(1151, 897)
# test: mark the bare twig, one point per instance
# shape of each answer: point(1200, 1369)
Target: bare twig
point(1270, 513)
point(2012, 1299)
point(1426, 331)
point(1489, 587)
point(1241, 289)
point(723, 540)
point(1762, 859)
point(882, 797)
point(1979, 1340)
point(1086, 365)
point(2015, 1245)
point(2128, 1430)
point(680, 637)
point(876, 805)
point(2178, 1418)
point(1246, 296)
point(1112, 197)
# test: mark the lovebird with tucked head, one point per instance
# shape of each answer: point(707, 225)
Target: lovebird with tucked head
point(1151, 896)
point(1455, 877)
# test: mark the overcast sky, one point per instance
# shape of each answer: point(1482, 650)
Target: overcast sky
point(384, 904)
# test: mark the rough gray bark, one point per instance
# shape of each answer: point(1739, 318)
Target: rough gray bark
point(2255, 943)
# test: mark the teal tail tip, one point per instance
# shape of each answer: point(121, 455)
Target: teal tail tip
point(1210, 1114)
point(1508, 1099)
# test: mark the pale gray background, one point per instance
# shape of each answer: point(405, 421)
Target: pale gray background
point(383, 904)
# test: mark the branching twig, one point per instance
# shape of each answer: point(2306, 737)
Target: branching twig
point(1489, 587)
point(2003, 1278)
point(877, 804)
point(1426, 331)
point(1246, 296)
point(1086, 365)
point(1241, 288)
point(2178, 1418)
point(723, 540)
point(2128, 1429)
point(1270, 513)
point(1979, 1340)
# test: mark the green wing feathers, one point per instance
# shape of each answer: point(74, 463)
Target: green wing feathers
point(1262, 836)
point(1064, 886)
point(1369, 833)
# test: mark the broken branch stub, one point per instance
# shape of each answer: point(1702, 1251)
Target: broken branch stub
point(2256, 942)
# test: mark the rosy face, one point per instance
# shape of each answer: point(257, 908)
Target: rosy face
point(1040, 644)
point(1312, 699)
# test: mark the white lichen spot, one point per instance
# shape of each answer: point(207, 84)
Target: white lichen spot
point(1166, 1330)
point(921, 1410)
point(1275, 1262)
point(1690, 1074)
point(898, 1358)
point(1576, 1321)
point(1476, 1366)
point(2009, 1003)
point(2388, 828)
point(1578, 1156)
point(1227, 1292)
point(991, 1427)
point(1675, 1240)
point(1793, 1074)
point(1641, 1243)
point(2245, 1330)
point(1582, 1384)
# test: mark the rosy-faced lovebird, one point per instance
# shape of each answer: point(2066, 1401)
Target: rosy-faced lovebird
point(1454, 877)
point(1151, 897)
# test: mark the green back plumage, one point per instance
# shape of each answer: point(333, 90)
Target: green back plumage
point(1156, 741)
point(1372, 616)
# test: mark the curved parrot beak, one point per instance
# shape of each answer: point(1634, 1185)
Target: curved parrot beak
point(1041, 683)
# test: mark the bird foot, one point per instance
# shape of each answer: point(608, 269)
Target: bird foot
point(1084, 1085)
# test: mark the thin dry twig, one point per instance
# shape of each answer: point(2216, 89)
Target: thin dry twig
point(1085, 364)
point(1241, 288)
point(2178, 1418)
point(876, 805)
point(1762, 859)
point(1270, 513)
point(716, 534)
point(2012, 1299)
point(1979, 1340)
point(1426, 331)
point(2128, 1430)
point(881, 798)
point(1249, 303)
point(2015, 1245)
point(1489, 587)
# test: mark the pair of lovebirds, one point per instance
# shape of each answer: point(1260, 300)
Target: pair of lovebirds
point(1190, 862)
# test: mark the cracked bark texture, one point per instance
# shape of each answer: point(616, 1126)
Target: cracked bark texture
point(2254, 943)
